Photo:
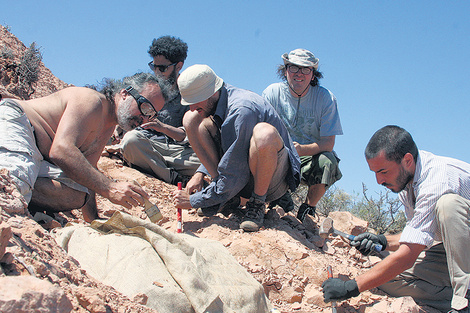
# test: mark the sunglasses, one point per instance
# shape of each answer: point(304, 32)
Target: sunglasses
point(294, 69)
point(161, 68)
point(145, 107)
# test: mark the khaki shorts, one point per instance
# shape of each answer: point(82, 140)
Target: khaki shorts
point(20, 155)
point(278, 186)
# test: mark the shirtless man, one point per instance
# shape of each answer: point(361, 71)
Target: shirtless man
point(51, 145)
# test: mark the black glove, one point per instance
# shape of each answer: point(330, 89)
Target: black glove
point(337, 289)
point(366, 243)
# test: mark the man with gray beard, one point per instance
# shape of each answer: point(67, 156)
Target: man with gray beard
point(51, 145)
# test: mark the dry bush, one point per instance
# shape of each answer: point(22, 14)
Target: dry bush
point(28, 71)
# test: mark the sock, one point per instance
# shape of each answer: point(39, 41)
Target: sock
point(258, 198)
point(304, 210)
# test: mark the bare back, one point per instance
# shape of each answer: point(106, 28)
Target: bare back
point(75, 116)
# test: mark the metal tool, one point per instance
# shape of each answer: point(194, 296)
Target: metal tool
point(330, 275)
point(327, 228)
point(179, 225)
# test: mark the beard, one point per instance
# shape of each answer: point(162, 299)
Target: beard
point(173, 76)
point(211, 106)
point(125, 119)
point(403, 179)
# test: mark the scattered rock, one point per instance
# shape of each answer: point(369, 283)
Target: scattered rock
point(5, 235)
point(287, 257)
point(11, 200)
point(30, 294)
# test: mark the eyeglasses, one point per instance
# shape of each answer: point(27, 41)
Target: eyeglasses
point(161, 68)
point(294, 69)
point(145, 106)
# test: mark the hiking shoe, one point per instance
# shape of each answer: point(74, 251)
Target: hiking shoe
point(209, 211)
point(230, 206)
point(304, 210)
point(254, 216)
point(285, 202)
point(226, 209)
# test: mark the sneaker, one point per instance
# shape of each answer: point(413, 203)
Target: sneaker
point(304, 210)
point(254, 216)
point(285, 202)
point(226, 209)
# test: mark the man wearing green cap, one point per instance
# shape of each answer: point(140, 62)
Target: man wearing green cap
point(310, 113)
point(242, 144)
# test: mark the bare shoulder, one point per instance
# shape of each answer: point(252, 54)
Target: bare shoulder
point(81, 96)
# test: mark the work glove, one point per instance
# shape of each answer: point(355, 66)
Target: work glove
point(337, 289)
point(366, 243)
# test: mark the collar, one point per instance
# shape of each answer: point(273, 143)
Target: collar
point(222, 103)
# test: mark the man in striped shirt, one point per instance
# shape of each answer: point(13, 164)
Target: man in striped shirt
point(431, 259)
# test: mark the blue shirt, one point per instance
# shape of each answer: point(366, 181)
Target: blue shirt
point(240, 110)
point(315, 116)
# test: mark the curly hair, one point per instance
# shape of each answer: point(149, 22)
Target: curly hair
point(110, 87)
point(282, 68)
point(394, 141)
point(172, 48)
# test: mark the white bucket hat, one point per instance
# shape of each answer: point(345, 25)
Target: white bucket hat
point(301, 57)
point(198, 83)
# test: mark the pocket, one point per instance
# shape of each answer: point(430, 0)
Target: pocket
point(17, 132)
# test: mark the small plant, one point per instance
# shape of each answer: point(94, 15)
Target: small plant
point(383, 214)
point(6, 53)
point(7, 27)
point(335, 199)
point(28, 71)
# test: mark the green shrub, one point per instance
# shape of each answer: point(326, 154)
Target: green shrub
point(28, 71)
point(6, 53)
point(384, 214)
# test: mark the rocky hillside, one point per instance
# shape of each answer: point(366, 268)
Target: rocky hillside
point(288, 258)
point(22, 73)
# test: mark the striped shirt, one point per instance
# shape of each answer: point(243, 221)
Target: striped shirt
point(434, 176)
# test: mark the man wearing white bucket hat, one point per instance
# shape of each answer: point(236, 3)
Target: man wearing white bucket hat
point(242, 144)
point(310, 113)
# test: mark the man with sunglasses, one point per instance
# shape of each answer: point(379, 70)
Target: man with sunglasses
point(310, 113)
point(51, 145)
point(160, 148)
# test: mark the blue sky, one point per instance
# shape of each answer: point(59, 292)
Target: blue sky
point(387, 62)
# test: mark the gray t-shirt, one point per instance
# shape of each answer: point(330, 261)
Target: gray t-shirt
point(315, 116)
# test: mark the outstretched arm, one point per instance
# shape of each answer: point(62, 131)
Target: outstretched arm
point(387, 269)
point(82, 132)
point(391, 266)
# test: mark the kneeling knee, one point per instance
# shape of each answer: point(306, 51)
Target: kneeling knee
point(266, 134)
point(449, 205)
